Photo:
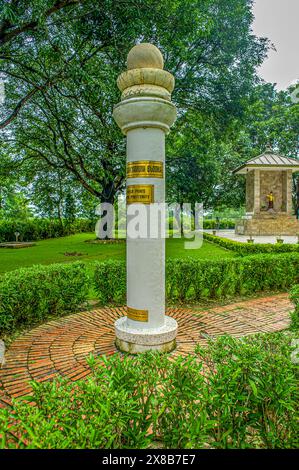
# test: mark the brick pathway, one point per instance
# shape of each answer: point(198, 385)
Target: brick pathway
point(60, 347)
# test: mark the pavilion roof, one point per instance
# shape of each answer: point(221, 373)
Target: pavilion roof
point(267, 161)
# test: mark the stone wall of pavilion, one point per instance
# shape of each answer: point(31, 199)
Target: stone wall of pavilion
point(267, 223)
point(250, 191)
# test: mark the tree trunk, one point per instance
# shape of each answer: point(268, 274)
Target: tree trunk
point(297, 198)
point(182, 221)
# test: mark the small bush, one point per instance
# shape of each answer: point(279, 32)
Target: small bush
point(31, 295)
point(252, 391)
point(294, 295)
point(244, 249)
point(232, 394)
point(195, 279)
point(110, 281)
point(209, 224)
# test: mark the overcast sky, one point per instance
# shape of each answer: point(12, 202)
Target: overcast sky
point(279, 21)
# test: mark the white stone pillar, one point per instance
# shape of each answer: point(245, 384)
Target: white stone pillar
point(145, 115)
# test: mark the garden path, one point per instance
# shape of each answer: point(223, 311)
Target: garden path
point(60, 347)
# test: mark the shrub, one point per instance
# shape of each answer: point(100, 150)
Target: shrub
point(244, 249)
point(195, 279)
point(209, 224)
point(31, 295)
point(294, 295)
point(252, 391)
point(38, 229)
point(110, 281)
point(232, 394)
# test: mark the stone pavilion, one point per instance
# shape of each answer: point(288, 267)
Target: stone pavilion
point(269, 206)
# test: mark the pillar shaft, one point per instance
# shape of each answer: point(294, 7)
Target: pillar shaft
point(146, 256)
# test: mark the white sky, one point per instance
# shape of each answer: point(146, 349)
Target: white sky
point(279, 21)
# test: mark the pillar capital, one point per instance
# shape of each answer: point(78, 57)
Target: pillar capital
point(146, 91)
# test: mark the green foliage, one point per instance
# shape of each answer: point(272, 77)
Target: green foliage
point(254, 393)
point(234, 393)
point(74, 53)
point(244, 249)
point(294, 295)
point(225, 212)
point(110, 281)
point(208, 224)
point(29, 296)
point(272, 117)
point(221, 224)
point(195, 279)
point(38, 229)
point(13, 205)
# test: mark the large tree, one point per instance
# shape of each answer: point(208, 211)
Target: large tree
point(60, 60)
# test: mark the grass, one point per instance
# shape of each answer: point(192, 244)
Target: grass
point(52, 251)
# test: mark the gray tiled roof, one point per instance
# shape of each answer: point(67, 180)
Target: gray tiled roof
point(269, 159)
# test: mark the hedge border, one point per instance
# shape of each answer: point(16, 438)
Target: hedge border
point(245, 249)
point(192, 280)
point(40, 229)
point(29, 296)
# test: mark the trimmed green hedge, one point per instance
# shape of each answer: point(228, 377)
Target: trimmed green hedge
point(38, 229)
point(244, 249)
point(208, 224)
point(192, 280)
point(110, 281)
point(219, 224)
point(31, 295)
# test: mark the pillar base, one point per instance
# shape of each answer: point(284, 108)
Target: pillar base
point(137, 340)
point(132, 348)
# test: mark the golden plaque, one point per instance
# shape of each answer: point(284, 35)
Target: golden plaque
point(143, 193)
point(145, 169)
point(137, 315)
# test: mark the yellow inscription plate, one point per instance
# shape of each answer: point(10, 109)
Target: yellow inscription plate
point(143, 193)
point(145, 169)
point(137, 315)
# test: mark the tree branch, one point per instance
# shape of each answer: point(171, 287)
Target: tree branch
point(6, 35)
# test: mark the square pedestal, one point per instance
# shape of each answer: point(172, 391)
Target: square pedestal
point(268, 223)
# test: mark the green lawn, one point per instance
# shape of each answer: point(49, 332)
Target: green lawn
point(52, 251)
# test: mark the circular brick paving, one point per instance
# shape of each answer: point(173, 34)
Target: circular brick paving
point(60, 347)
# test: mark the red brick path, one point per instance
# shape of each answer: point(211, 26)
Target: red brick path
point(60, 347)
